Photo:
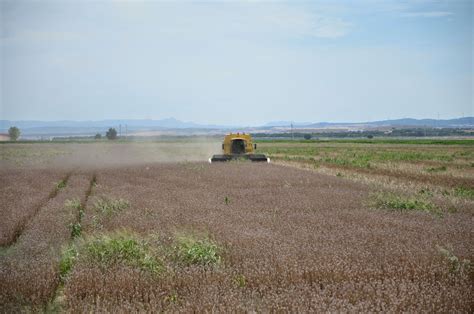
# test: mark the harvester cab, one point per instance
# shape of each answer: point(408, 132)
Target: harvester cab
point(238, 146)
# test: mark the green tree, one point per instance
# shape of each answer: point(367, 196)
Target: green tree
point(14, 133)
point(307, 136)
point(98, 136)
point(111, 134)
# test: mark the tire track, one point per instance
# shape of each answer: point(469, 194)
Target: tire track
point(29, 273)
point(56, 303)
point(27, 220)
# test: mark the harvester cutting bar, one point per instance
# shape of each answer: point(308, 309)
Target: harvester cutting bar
point(251, 157)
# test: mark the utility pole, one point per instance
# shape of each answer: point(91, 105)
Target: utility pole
point(292, 135)
point(120, 130)
point(437, 125)
point(126, 131)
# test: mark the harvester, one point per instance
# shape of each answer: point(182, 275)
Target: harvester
point(238, 146)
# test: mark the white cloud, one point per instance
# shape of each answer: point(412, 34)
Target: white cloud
point(294, 21)
point(245, 18)
point(428, 14)
point(331, 28)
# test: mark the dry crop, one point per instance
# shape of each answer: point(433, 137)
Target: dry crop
point(23, 193)
point(238, 237)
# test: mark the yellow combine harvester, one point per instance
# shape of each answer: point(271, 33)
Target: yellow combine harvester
point(238, 146)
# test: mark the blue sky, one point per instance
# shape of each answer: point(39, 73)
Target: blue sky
point(236, 62)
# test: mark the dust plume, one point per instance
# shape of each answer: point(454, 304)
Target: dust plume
point(106, 154)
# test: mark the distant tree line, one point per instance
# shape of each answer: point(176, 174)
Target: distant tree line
point(412, 132)
point(111, 134)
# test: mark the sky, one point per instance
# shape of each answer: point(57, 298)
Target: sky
point(236, 62)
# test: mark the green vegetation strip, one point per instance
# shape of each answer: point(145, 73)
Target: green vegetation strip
point(393, 202)
point(124, 248)
point(104, 208)
point(355, 156)
point(189, 250)
point(464, 192)
point(110, 206)
point(107, 250)
point(76, 227)
point(376, 141)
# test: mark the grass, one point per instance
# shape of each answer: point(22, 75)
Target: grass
point(376, 141)
point(61, 185)
point(76, 229)
point(107, 207)
point(123, 248)
point(172, 298)
point(356, 156)
point(425, 191)
point(74, 203)
point(94, 182)
point(111, 206)
point(464, 192)
point(191, 250)
point(436, 169)
point(5, 250)
point(111, 249)
point(240, 281)
point(394, 202)
point(68, 258)
point(356, 161)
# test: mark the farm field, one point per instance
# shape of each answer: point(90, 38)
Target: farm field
point(153, 227)
point(441, 168)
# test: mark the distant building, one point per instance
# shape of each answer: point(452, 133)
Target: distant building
point(4, 137)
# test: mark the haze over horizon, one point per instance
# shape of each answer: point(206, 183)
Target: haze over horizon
point(171, 122)
point(236, 63)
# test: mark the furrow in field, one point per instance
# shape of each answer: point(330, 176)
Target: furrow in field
point(56, 303)
point(29, 271)
point(23, 193)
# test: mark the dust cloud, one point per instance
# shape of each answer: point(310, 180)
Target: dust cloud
point(95, 155)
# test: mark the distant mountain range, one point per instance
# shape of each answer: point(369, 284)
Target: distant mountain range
point(406, 122)
point(286, 124)
point(170, 125)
